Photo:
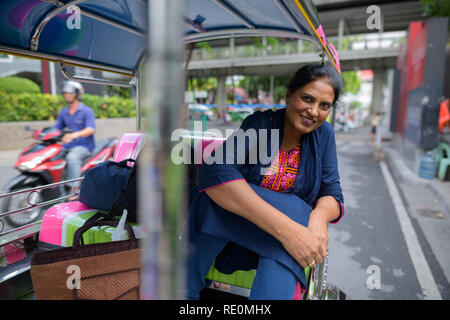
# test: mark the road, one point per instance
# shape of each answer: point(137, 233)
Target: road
point(375, 252)
point(369, 237)
point(371, 253)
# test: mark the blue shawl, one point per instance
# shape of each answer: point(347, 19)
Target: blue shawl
point(317, 177)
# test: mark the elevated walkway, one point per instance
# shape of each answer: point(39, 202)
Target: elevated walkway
point(279, 65)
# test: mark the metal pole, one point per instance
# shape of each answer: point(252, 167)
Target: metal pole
point(137, 89)
point(162, 194)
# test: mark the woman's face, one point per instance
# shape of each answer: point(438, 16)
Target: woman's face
point(308, 107)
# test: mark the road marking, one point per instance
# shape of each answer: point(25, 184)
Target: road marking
point(424, 275)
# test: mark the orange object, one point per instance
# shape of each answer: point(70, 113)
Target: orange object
point(444, 114)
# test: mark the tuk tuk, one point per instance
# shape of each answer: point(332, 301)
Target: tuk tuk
point(146, 45)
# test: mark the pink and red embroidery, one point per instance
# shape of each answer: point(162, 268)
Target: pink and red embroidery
point(283, 171)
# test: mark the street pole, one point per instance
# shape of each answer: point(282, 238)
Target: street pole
point(162, 203)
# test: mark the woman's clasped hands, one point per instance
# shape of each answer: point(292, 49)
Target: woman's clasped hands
point(307, 245)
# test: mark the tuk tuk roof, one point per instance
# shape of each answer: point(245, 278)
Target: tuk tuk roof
point(110, 35)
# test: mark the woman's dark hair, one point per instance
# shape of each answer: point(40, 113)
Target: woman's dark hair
point(313, 72)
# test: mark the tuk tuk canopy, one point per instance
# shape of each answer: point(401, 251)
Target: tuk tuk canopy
point(98, 34)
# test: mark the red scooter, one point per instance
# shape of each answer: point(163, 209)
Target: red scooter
point(44, 163)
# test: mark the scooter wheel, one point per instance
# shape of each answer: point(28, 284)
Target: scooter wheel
point(16, 202)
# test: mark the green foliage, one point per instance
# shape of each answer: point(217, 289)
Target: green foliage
point(203, 45)
point(435, 8)
point(34, 107)
point(279, 93)
point(202, 84)
point(270, 41)
point(118, 91)
point(352, 83)
point(18, 85)
point(355, 104)
point(254, 83)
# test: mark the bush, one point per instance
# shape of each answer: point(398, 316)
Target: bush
point(38, 106)
point(18, 85)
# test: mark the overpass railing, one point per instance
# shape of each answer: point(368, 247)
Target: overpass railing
point(264, 47)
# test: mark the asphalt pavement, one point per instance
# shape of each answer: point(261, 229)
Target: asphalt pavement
point(383, 248)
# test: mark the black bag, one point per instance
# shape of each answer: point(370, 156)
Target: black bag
point(127, 198)
point(103, 184)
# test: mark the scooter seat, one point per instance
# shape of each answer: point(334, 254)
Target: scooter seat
point(102, 144)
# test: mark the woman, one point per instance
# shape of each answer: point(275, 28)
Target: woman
point(259, 215)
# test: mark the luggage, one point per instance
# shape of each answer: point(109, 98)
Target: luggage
point(62, 220)
point(102, 271)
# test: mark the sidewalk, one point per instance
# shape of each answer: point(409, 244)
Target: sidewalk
point(441, 189)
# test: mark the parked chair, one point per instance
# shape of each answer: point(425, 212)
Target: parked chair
point(442, 154)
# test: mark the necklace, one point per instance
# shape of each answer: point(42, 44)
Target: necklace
point(289, 146)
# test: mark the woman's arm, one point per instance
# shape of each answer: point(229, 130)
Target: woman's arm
point(327, 209)
point(239, 198)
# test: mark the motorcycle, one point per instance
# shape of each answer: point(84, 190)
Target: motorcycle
point(42, 163)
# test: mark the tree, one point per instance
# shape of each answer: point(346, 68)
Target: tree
point(253, 84)
point(436, 8)
point(202, 84)
point(352, 83)
point(118, 91)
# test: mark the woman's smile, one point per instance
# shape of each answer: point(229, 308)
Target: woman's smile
point(307, 122)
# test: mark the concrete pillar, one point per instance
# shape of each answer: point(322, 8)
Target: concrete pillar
point(264, 42)
point(377, 91)
point(300, 45)
point(272, 81)
point(221, 99)
point(231, 48)
point(340, 34)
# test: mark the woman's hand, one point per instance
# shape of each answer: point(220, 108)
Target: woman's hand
point(302, 244)
point(318, 225)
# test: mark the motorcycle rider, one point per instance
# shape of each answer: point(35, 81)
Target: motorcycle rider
point(80, 119)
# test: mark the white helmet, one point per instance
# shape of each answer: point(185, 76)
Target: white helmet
point(73, 87)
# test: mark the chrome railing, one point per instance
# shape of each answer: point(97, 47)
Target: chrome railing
point(318, 289)
point(33, 200)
